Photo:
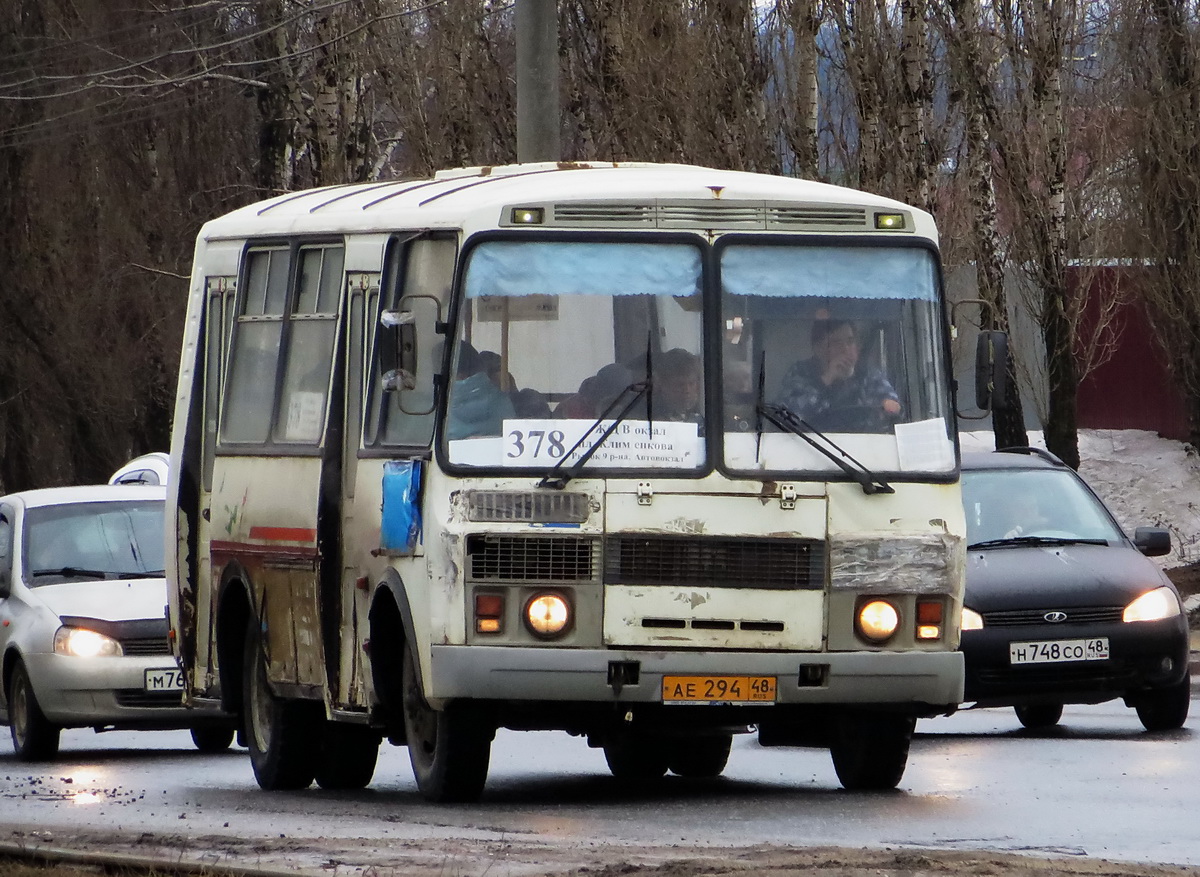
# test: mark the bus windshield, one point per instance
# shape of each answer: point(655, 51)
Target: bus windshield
point(557, 339)
point(841, 340)
point(563, 345)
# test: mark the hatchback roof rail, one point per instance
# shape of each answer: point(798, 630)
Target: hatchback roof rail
point(1041, 452)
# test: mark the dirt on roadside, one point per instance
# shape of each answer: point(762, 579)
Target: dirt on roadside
point(372, 857)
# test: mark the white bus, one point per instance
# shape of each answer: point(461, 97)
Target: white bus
point(549, 447)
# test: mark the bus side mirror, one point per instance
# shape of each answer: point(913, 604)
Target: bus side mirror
point(413, 365)
point(404, 375)
point(991, 370)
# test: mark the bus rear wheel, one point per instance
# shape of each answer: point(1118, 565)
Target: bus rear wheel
point(634, 758)
point(348, 756)
point(280, 734)
point(870, 749)
point(449, 749)
point(700, 757)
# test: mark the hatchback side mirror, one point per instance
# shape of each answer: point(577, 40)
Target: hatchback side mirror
point(1152, 541)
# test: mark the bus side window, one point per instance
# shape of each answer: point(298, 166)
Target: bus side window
point(424, 266)
point(308, 356)
point(254, 358)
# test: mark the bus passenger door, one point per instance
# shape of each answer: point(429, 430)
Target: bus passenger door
point(393, 424)
point(276, 481)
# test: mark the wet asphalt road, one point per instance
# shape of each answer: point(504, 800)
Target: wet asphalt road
point(1096, 786)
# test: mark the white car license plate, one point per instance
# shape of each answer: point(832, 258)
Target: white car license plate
point(164, 679)
point(1058, 651)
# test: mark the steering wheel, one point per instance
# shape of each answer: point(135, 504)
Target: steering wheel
point(853, 418)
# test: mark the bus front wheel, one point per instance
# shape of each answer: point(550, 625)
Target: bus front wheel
point(282, 735)
point(449, 749)
point(870, 749)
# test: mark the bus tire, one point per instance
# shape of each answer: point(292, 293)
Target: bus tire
point(281, 734)
point(449, 749)
point(34, 737)
point(348, 756)
point(870, 749)
point(635, 758)
point(700, 757)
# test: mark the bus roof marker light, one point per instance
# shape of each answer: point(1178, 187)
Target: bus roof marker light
point(889, 221)
point(527, 215)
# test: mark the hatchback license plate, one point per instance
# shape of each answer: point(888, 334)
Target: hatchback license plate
point(718, 689)
point(164, 679)
point(1059, 651)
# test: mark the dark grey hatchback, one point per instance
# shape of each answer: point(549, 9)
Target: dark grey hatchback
point(1061, 606)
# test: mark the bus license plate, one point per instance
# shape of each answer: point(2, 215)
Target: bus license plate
point(164, 679)
point(718, 689)
point(1058, 651)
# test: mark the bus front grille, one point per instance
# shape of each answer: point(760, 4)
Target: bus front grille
point(531, 558)
point(773, 564)
point(491, 506)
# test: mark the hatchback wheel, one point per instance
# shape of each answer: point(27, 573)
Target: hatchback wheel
point(213, 738)
point(1039, 715)
point(700, 756)
point(1167, 708)
point(34, 737)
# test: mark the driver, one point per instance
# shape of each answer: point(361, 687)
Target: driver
point(832, 391)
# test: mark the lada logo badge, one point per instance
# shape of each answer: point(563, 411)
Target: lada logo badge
point(1055, 617)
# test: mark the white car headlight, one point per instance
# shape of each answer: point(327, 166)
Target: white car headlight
point(971, 620)
point(1153, 606)
point(79, 642)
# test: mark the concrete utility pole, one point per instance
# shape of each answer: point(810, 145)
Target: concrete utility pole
point(538, 115)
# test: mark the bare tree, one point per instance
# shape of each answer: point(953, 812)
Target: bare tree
point(1160, 53)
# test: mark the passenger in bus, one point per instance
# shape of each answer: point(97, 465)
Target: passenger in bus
point(527, 402)
point(833, 391)
point(596, 394)
point(678, 387)
point(477, 406)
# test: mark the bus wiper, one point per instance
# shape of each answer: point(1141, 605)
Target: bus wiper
point(787, 420)
point(72, 571)
point(639, 389)
point(1035, 540)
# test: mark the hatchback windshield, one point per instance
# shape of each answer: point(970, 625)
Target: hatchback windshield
point(1019, 503)
point(100, 539)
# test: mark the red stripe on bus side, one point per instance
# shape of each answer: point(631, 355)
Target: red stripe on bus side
point(283, 534)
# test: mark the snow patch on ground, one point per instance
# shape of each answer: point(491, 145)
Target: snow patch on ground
point(1147, 481)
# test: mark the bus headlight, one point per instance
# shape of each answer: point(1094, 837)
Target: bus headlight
point(548, 615)
point(1152, 606)
point(878, 620)
point(79, 642)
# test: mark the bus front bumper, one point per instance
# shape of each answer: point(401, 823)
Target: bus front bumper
point(626, 676)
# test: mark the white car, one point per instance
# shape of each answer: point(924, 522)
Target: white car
point(152, 468)
point(83, 628)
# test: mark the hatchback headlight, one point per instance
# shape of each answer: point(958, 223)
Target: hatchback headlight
point(1153, 606)
point(971, 620)
point(79, 642)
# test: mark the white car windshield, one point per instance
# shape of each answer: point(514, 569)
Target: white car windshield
point(94, 540)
